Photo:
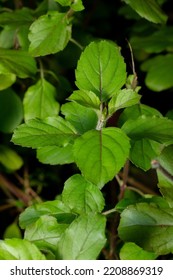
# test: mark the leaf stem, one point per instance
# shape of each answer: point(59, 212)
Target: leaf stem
point(77, 44)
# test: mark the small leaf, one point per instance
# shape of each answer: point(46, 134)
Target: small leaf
point(101, 69)
point(101, 154)
point(85, 98)
point(131, 251)
point(53, 131)
point(54, 208)
point(123, 98)
point(135, 111)
point(17, 62)
point(154, 128)
point(6, 80)
point(40, 102)
point(18, 249)
point(12, 231)
point(149, 9)
point(45, 233)
point(11, 111)
point(143, 152)
point(149, 226)
point(56, 155)
point(10, 159)
point(82, 118)
point(49, 34)
point(85, 237)
point(82, 196)
point(159, 72)
point(76, 5)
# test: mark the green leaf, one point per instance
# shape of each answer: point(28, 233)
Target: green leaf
point(40, 102)
point(53, 208)
point(17, 62)
point(85, 98)
point(18, 249)
point(12, 231)
point(101, 69)
point(143, 151)
point(82, 196)
point(64, 2)
point(7, 37)
point(135, 111)
point(131, 251)
point(148, 226)
point(49, 34)
point(165, 174)
point(77, 5)
point(82, 118)
point(85, 237)
point(159, 72)
point(10, 159)
point(6, 79)
point(56, 155)
point(45, 233)
point(54, 131)
point(101, 154)
point(17, 18)
point(154, 128)
point(149, 9)
point(123, 98)
point(156, 42)
point(11, 110)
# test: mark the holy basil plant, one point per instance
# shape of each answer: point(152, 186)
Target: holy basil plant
point(100, 128)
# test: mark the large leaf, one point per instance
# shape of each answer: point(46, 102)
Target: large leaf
point(54, 208)
point(11, 110)
point(82, 118)
point(154, 128)
point(149, 9)
point(39, 101)
point(18, 249)
point(131, 251)
point(49, 34)
point(148, 226)
point(101, 154)
point(9, 158)
point(56, 155)
point(45, 233)
point(159, 72)
point(84, 238)
point(101, 69)
point(123, 98)
point(51, 132)
point(85, 98)
point(82, 196)
point(17, 62)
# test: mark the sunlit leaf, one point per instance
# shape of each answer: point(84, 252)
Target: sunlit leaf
point(56, 155)
point(101, 154)
point(82, 196)
point(101, 69)
point(82, 118)
point(18, 249)
point(39, 101)
point(131, 251)
point(85, 98)
point(49, 34)
point(85, 237)
point(50, 132)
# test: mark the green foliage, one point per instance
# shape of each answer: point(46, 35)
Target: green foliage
point(94, 125)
